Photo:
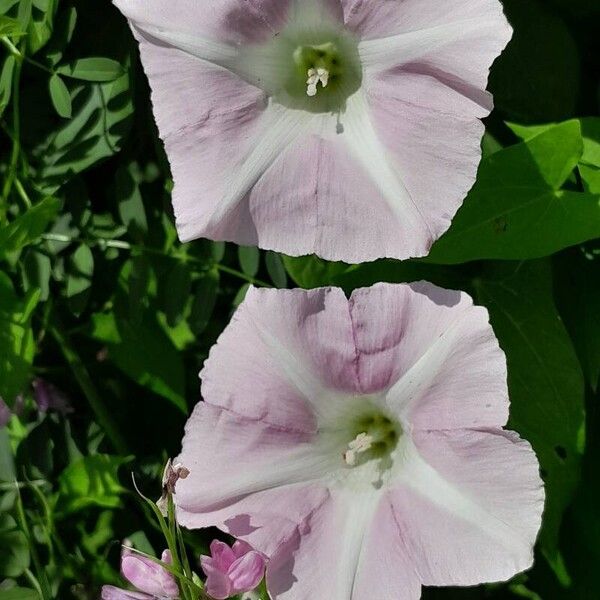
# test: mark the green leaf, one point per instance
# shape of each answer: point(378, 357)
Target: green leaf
point(79, 280)
point(312, 272)
point(24, 13)
point(578, 293)
point(581, 529)
point(516, 209)
point(19, 593)
point(27, 228)
point(61, 98)
point(6, 82)
point(544, 378)
point(138, 283)
point(178, 290)
point(537, 77)
point(131, 204)
point(37, 269)
point(241, 295)
point(589, 164)
point(249, 257)
point(101, 118)
point(144, 353)
point(92, 481)
point(276, 269)
point(92, 69)
point(16, 339)
point(10, 27)
point(205, 299)
point(14, 558)
point(589, 167)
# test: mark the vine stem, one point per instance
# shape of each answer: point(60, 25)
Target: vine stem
point(16, 137)
point(121, 245)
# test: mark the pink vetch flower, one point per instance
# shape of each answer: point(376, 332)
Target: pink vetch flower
point(359, 444)
point(232, 571)
point(151, 581)
point(5, 413)
point(49, 397)
point(344, 128)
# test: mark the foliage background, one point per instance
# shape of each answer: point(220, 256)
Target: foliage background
point(98, 298)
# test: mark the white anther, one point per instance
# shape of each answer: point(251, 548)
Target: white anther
point(314, 77)
point(323, 75)
point(361, 443)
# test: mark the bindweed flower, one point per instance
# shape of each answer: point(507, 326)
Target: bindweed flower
point(152, 582)
point(345, 128)
point(359, 444)
point(232, 571)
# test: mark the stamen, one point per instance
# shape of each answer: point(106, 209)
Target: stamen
point(314, 77)
point(360, 444)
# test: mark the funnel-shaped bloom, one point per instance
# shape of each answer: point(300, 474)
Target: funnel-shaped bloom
point(232, 571)
point(345, 128)
point(359, 444)
point(150, 579)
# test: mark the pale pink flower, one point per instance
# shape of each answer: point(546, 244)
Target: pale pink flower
point(151, 580)
point(346, 128)
point(359, 444)
point(232, 571)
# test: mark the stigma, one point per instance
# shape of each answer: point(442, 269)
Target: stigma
point(361, 443)
point(314, 77)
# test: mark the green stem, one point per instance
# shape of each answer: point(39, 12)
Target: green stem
point(121, 245)
point(16, 137)
point(82, 376)
point(11, 47)
point(39, 65)
point(42, 579)
point(184, 588)
point(21, 191)
point(21, 57)
point(241, 275)
point(33, 581)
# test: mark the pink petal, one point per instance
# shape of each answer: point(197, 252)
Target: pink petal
point(251, 457)
point(281, 350)
point(222, 556)
point(470, 506)
point(247, 572)
point(218, 585)
point(436, 143)
point(230, 21)
point(207, 118)
point(437, 352)
point(241, 548)
point(148, 576)
point(347, 548)
point(312, 200)
point(109, 592)
point(373, 20)
point(386, 570)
